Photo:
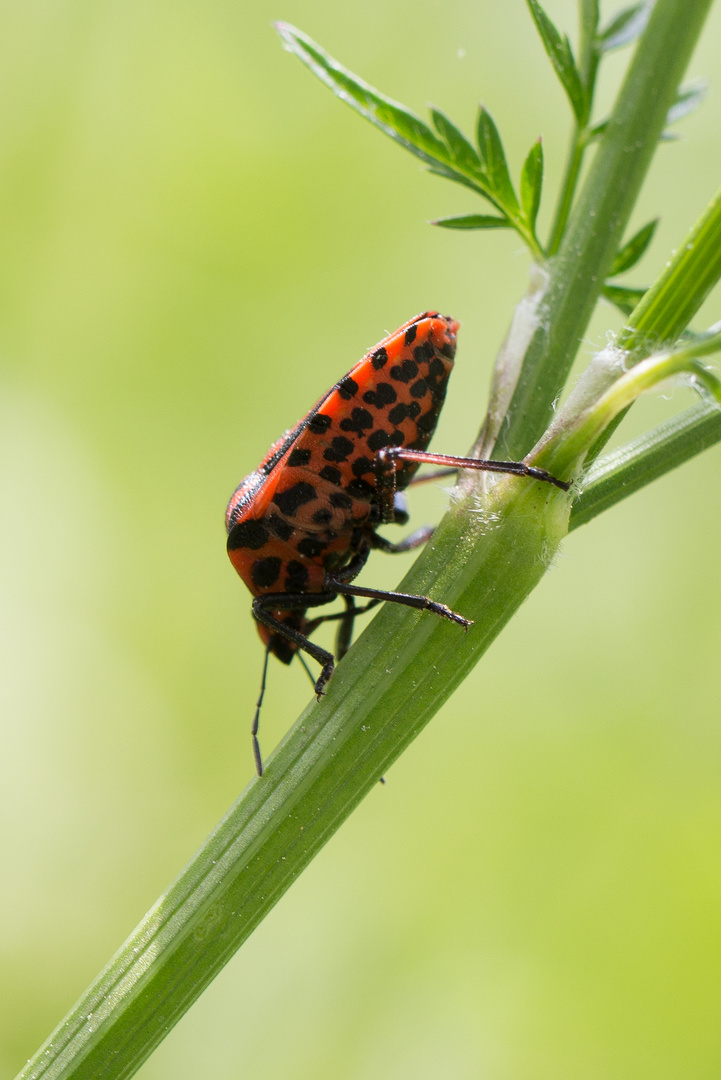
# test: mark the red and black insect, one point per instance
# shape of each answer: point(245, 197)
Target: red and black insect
point(301, 527)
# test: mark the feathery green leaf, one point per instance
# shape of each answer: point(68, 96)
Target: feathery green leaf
point(624, 27)
point(532, 182)
point(494, 164)
point(628, 255)
point(623, 298)
point(561, 56)
point(688, 98)
point(462, 153)
point(473, 221)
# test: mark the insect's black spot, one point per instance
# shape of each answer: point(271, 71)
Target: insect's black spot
point(414, 410)
point(410, 336)
point(311, 547)
point(378, 439)
point(427, 422)
point(280, 528)
point(404, 372)
point(339, 449)
point(248, 534)
point(347, 388)
point(319, 423)
point(419, 388)
point(360, 489)
point(362, 465)
point(331, 474)
point(383, 395)
point(290, 501)
point(379, 358)
point(340, 500)
point(423, 352)
point(323, 517)
point(265, 572)
point(296, 577)
point(300, 457)
point(437, 367)
point(358, 421)
point(449, 349)
point(398, 413)
point(397, 438)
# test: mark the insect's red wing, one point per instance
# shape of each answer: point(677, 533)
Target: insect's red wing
point(392, 397)
point(296, 515)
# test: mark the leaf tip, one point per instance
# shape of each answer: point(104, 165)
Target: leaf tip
point(288, 34)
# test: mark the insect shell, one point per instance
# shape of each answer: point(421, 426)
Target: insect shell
point(313, 503)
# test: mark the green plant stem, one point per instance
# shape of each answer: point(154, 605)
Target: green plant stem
point(568, 190)
point(600, 216)
point(619, 474)
point(483, 561)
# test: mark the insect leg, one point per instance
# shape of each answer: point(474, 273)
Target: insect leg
point(340, 615)
point(345, 628)
point(385, 469)
point(306, 669)
point(263, 605)
point(347, 617)
point(421, 603)
point(420, 536)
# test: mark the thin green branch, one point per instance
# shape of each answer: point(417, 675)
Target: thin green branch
point(619, 474)
point(579, 424)
point(600, 216)
point(667, 307)
point(568, 190)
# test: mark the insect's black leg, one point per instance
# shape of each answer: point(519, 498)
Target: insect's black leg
point(256, 719)
point(306, 669)
point(340, 615)
point(263, 605)
point(421, 603)
point(420, 536)
point(345, 628)
point(353, 569)
point(385, 469)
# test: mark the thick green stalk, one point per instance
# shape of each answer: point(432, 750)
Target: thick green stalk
point(484, 561)
point(600, 216)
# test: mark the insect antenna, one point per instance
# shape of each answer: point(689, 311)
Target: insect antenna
point(256, 719)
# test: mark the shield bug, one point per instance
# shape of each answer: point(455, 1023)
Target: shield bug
point(301, 527)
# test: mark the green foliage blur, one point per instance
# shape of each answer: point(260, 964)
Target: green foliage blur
point(197, 240)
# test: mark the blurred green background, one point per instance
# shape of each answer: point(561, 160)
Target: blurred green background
point(197, 239)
